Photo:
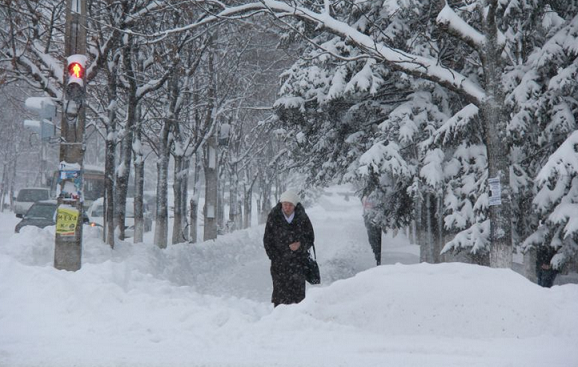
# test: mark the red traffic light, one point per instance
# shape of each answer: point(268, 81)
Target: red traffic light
point(75, 69)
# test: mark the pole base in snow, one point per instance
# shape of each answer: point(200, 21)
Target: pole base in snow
point(67, 254)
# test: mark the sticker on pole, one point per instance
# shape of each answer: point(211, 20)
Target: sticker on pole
point(66, 221)
point(496, 191)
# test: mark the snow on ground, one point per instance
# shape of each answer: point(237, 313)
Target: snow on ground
point(207, 304)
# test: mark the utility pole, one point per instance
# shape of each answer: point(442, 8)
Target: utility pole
point(68, 240)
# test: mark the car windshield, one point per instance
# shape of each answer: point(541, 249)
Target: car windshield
point(98, 211)
point(41, 211)
point(32, 195)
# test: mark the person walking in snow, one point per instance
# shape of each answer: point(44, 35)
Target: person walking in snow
point(373, 229)
point(546, 274)
point(288, 237)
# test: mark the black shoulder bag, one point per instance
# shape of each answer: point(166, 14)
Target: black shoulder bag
point(312, 275)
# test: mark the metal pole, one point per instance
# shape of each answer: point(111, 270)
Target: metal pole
point(68, 240)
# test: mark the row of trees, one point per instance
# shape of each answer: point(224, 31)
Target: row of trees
point(431, 103)
point(454, 112)
point(459, 115)
point(195, 98)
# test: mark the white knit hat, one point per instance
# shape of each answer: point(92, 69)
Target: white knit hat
point(289, 197)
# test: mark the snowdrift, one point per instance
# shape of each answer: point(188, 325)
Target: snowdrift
point(207, 304)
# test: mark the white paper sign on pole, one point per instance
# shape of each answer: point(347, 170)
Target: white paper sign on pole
point(495, 191)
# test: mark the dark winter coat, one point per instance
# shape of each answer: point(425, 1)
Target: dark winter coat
point(544, 256)
point(287, 266)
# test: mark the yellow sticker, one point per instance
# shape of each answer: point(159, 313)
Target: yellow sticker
point(66, 220)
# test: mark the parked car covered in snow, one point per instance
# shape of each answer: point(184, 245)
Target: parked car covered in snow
point(28, 196)
point(96, 214)
point(41, 214)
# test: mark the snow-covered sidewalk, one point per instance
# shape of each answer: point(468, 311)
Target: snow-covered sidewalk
point(207, 304)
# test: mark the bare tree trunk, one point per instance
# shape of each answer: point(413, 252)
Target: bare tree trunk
point(248, 198)
point(139, 198)
point(138, 180)
point(434, 236)
point(184, 197)
point(248, 205)
point(221, 202)
point(211, 190)
point(195, 201)
point(440, 226)
point(178, 192)
point(123, 172)
point(430, 256)
point(211, 165)
point(109, 186)
point(279, 187)
point(239, 216)
point(266, 201)
point(431, 234)
point(3, 186)
point(233, 198)
point(122, 177)
point(9, 179)
point(420, 224)
point(110, 156)
point(193, 222)
point(162, 213)
point(13, 166)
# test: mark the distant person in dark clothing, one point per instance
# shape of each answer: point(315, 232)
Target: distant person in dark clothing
point(546, 274)
point(288, 236)
point(373, 230)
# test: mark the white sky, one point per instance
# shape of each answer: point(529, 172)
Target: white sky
point(208, 305)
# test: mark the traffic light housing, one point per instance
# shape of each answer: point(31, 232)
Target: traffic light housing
point(76, 72)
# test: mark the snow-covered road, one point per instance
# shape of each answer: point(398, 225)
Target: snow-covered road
point(207, 304)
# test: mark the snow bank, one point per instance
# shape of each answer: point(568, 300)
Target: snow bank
point(207, 304)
